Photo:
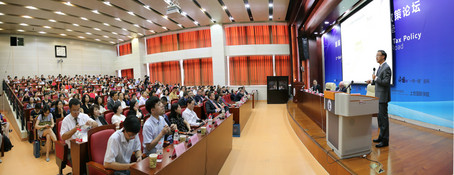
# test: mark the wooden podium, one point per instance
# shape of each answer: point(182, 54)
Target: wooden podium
point(349, 123)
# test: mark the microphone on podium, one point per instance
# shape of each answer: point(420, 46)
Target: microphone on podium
point(350, 86)
point(373, 70)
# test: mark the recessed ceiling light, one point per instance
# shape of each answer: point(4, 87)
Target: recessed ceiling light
point(212, 20)
point(271, 16)
point(59, 13)
point(105, 36)
point(183, 13)
point(165, 28)
point(326, 22)
point(47, 27)
point(246, 5)
point(2, 3)
point(83, 18)
point(224, 7)
point(1, 22)
point(129, 36)
point(63, 34)
point(107, 3)
point(179, 25)
point(196, 23)
point(136, 25)
point(95, 11)
point(115, 33)
point(75, 24)
point(31, 7)
point(203, 10)
point(23, 24)
point(52, 20)
point(42, 32)
point(131, 13)
point(1, 14)
point(165, 17)
point(316, 33)
point(112, 42)
point(97, 39)
point(24, 16)
point(88, 33)
point(124, 29)
point(69, 30)
point(68, 3)
point(270, 5)
point(120, 39)
point(149, 21)
point(97, 29)
point(147, 7)
point(231, 18)
point(81, 37)
point(118, 19)
point(140, 34)
point(20, 30)
point(1, 29)
point(152, 31)
point(106, 24)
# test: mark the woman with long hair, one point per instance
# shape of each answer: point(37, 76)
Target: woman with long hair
point(85, 103)
point(44, 124)
point(176, 118)
point(134, 109)
point(100, 102)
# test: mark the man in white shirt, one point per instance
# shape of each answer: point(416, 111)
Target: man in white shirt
point(155, 128)
point(190, 116)
point(143, 98)
point(74, 121)
point(121, 146)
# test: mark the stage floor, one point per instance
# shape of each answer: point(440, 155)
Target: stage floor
point(412, 149)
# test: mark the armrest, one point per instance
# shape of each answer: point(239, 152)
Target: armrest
point(61, 149)
point(94, 166)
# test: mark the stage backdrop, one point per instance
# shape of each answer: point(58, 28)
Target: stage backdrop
point(424, 61)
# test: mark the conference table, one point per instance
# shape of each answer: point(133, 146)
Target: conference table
point(207, 156)
point(243, 113)
point(312, 105)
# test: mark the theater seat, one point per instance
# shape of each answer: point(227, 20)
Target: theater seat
point(330, 86)
point(108, 116)
point(97, 145)
point(370, 90)
point(125, 111)
point(61, 149)
point(174, 101)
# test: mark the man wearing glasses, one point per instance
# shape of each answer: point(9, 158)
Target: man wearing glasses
point(74, 121)
point(121, 145)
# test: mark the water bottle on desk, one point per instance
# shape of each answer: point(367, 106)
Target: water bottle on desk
point(79, 135)
point(176, 138)
point(159, 151)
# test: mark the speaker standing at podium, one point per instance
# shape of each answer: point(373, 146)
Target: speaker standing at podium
point(382, 81)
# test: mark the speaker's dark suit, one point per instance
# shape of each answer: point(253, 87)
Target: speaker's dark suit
point(383, 91)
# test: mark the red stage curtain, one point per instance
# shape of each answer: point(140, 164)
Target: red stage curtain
point(198, 72)
point(236, 35)
point(165, 72)
point(280, 34)
point(129, 73)
point(204, 38)
point(124, 49)
point(262, 35)
point(239, 70)
point(259, 68)
point(283, 67)
point(153, 45)
point(188, 40)
point(169, 43)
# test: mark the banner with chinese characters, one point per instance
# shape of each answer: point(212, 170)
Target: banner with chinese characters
point(333, 55)
point(424, 61)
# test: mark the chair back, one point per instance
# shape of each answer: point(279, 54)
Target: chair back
point(125, 112)
point(144, 110)
point(370, 90)
point(59, 122)
point(97, 142)
point(108, 116)
point(174, 101)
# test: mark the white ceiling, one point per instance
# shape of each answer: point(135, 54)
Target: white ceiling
point(104, 28)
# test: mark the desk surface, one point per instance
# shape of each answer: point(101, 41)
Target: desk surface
point(207, 156)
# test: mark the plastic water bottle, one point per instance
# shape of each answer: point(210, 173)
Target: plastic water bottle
point(210, 121)
point(176, 138)
point(159, 151)
point(79, 135)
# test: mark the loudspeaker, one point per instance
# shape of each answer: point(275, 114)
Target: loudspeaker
point(16, 41)
point(303, 48)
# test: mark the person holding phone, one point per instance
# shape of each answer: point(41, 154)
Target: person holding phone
point(44, 125)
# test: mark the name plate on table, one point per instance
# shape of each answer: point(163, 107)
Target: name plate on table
point(218, 121)
point(209, 129)
point(179, 149)
point(194, 139)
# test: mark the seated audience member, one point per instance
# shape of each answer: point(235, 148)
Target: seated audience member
point(47, 101)
point(173, 95)
point(113, 100)
point(59, 111)
point(121, 97)
point(175, 118)
point(199, 97)
point(100, 102)
point(31, 104)
point(44, 125)
point(85, 103)
point(26, 98)
point(121, 145)
point(35, 112)
point(155, 128)
point(190, 116)
point(73, 121)
point(118, 117)
point(184, 99)
point(166, 103)
point(220, 102)
point(316, 87)
point(211, 106)
point(143, 98)
point(239, 95)
point(61, 97)
point(96, 115)
point(134, 109)
point(126, 99)
point(341, 87)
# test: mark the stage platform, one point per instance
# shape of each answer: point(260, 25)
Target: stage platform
point(412, 149)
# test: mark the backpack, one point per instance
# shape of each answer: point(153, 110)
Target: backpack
point(7, 144)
